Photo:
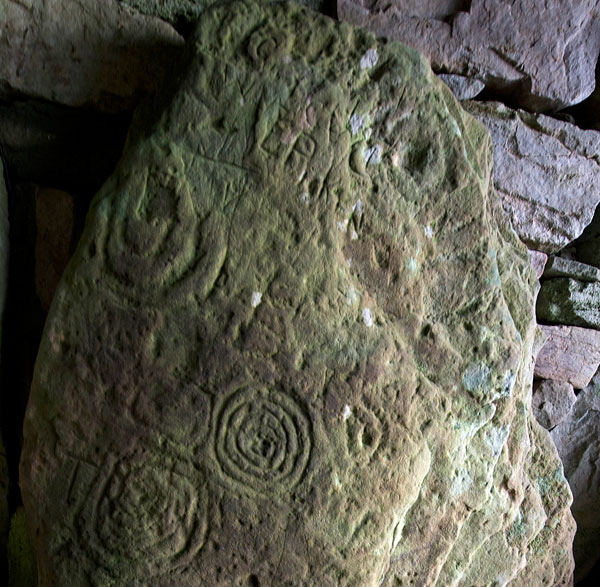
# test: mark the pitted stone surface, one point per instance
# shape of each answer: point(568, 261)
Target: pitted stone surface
point(294, 346)
point(522, 47)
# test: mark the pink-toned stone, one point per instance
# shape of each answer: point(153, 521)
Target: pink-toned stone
point(538, 261)
point(542, 53)
point(552, 401)
point(570, 354)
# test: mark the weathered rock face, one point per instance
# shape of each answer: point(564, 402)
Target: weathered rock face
point(559, 267)
point(83, 52)
point(568, 301)
point(578, 443)
point(552, 401)
point(569, 354)
point(518, 47)
point(547, 172)
point(294, 345)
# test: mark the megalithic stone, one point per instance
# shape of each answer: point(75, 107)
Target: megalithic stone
point(294, 346)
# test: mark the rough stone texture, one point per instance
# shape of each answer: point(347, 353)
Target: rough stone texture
point(21, 561)
point(569, 354)
point(180, 12)
point(578, 443)
point(294, 345)
point(567, 301)
point(538, 262)
point(547, 172)
point(83, 52)
point(66, 148)
point(552, 401)
point(463, 88)
point(559, 267)
point(55, 217)
point(520, 47)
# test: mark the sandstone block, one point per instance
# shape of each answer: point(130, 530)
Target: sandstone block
point(568, 301)
point(464, 88)
point(294, 345)
point(552, 401)
point(518, 47)
point(570, 354)
point(559, 267)
point(83, 52)
point(578, 443)
point(547, 172)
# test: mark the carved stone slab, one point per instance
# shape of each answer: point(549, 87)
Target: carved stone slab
point(294, 346)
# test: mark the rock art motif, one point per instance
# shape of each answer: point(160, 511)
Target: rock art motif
point(83, 52)
point(517, 47)
point(294, 346)
point(546, 172)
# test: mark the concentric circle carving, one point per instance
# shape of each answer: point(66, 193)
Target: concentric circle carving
point(263, 440)
point(146, 517)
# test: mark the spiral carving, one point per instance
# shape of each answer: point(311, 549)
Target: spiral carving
point(263, 440)
point(146, 517)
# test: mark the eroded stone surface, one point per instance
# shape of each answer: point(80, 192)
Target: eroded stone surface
point(547, 172)
point(294, 345)
point(552, 401)
point(578, 443)
point(568, 301)
point(569, 354)
point(83, 52)
point(520, 47)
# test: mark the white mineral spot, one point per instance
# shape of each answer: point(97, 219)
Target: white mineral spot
point(455, 127)
point(476, 378)
point(357, 207)
point(369, 59)
point(373, 155)
point(356, 123)
point(342, 225)
point(349, 262)
point(496, 437)
point(367, 317)
point(256, 298)
point(242, 101)
point(352, 296)
point(461, 483)
point(396, 159)
point(337, 482)
point(354, 235)
point(429, 231)
point(304, 198)
point(412, 265)
point(347, 412)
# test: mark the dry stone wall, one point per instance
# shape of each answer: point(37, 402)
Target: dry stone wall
point(545, 170)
